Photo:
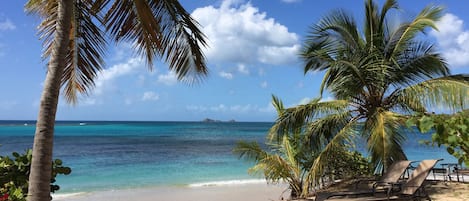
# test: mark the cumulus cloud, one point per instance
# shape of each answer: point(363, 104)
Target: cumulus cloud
point(168, 79)
point(453, 39)
point(226, 75)
point(240, 33)
point(107, 76)
point(7, 25)
point(150, 96)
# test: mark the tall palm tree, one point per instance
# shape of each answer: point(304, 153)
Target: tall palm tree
point(75, 40)
point(378, 77)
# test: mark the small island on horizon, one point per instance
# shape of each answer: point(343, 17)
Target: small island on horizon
point(208, 120)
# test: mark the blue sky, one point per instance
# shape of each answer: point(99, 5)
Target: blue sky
point(252, 55)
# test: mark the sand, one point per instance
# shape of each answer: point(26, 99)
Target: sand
point(438, 191)
point(235, 192)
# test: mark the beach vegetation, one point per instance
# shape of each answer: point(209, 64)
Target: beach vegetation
point(76, 35)
point(374, 79)
point(289, 160)
point(15, 171)
point(448, 130)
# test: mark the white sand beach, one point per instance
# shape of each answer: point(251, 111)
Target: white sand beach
point(234, 192)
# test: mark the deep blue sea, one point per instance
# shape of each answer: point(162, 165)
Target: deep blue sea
point(118, 155)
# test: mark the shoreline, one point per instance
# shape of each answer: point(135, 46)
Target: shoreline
point(249, 191)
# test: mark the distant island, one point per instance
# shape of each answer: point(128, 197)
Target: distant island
point(208, 120)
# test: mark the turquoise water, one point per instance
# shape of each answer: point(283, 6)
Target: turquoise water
point(116, 155)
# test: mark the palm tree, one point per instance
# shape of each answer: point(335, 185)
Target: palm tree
point(377, 78)
point(287, 160)
point(74, 34)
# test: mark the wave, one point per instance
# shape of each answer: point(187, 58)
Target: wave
point(228, 183)
point(65, 196)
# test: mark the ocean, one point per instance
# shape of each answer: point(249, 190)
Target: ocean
point(107, 155)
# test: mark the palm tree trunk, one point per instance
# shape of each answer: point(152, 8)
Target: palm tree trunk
point(41, 165)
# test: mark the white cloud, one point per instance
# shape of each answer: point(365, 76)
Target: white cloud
point(107, 76)
point(196, 108)
point(248, 108)
point(243, 108)
point(7, 25)
point(168, 79)
point(218, 108)
point(240, 33)
point(453, 39)
point(150, 96)
point(264, 84)
point(243, 69)
point(226, 75)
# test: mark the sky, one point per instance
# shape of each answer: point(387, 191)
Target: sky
point(252, 55)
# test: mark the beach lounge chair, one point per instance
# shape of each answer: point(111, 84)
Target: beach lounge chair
point(391, 176)
point(413, 187)
point(459, 173)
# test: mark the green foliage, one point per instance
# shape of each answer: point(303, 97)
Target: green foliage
point(347, 164)
point(14, 175)
point(377, 76)
point(451, 131)
point(282, 162)
point(290, 161)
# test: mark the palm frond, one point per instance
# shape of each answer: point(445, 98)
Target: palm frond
point(86, 51)
point(327, 38)
point(160, 28)
point(407, 31)
point(419, 63)
point(372, 23)
point(249, 151)
point(451, 92)
point(86, 47)
point(321, 131)
point(320, 163)
point(384, 138)
point(278, 105)
point(293, 119)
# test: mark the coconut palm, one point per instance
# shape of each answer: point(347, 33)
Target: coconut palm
point(76, 34)
point(287, 161)
point(377, 77)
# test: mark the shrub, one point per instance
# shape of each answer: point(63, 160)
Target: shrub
point(14, 175)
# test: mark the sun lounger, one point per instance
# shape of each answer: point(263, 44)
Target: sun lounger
point(413, 187)
point(461, 172)
point(391, 176)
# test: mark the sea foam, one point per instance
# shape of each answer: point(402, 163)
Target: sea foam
point(228, 183)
